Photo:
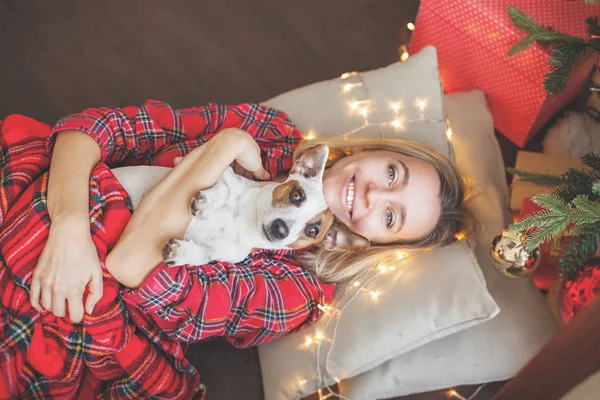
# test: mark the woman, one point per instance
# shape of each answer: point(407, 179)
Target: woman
point(397, 195)
point(404, 194)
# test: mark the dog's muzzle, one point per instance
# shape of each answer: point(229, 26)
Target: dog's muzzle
point(278, 230)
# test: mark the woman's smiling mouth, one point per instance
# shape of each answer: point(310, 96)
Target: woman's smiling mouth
point(350, 197)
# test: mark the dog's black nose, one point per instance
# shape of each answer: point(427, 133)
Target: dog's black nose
point(279, 229)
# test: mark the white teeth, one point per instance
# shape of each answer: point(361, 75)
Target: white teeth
point(350, 195)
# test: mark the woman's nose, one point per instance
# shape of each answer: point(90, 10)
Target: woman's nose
point(375, 194)
point(371, 195)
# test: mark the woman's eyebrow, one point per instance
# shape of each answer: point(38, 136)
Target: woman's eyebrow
point(402, 207)
point(402, 219)
point(406, 173)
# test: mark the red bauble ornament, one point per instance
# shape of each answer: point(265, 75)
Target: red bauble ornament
point(578, 292)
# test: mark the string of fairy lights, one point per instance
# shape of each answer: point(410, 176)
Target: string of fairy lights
point(360, 285)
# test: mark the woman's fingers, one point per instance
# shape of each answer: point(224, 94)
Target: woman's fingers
point(262, 174)
point(253, 163)
point(238, 169)
point(58, 304)
point(96, 290)
point(47, 294)
point(75, 307)
point(34, 293)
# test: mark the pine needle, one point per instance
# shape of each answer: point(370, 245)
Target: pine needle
point(537, 178)
point(566, 49)
point(564, 56)
point(596, 188)
point(577, 251)
point(592, 160)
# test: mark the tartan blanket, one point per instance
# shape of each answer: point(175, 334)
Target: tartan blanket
point(133, 345)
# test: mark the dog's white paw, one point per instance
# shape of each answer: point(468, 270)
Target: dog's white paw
point(183, 252)
point(170, 252)
point(199, 204)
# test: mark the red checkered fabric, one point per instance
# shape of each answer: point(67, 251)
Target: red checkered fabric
point(133, 346)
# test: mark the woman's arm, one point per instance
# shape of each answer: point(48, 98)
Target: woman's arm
point(69, 261)
point(152, 134)
point(248, 303)
point(164, 212)
point(156, 133)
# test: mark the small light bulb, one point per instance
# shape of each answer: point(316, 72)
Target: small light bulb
point(374, 295)
point(460, 236)
point(354, 105)
point(404, 53)
point(383, 268)
point(347, 75)
point(395, 106)
point(398, 124)
point(356, 284)
point(302, 382)
point(364, 112)
point(348, 87)
point(308, 341)
point(392, 268)
point(449, 133)
point(454, 394)
point(401, 255)
point(421, 104)
point(319, 336)
point(410, 26)
point(310, 135)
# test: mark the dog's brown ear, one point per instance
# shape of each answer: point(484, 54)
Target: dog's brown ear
point(340, 237)
point(312, 163)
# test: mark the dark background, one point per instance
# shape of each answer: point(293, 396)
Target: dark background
point(59, 57)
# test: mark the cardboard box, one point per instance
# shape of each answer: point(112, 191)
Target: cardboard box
point(473, 38)
point(540, 163)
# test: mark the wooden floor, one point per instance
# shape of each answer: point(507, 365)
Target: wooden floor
point(61, 56)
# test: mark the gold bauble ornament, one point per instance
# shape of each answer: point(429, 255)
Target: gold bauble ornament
point(510, 256)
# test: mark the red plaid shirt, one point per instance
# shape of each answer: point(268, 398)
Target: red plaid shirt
point(133, 345)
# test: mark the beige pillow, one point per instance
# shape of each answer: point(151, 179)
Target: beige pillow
point(324, 108)
point(497, 349)
point(427, 296)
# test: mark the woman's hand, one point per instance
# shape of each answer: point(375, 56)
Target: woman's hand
point(164, 213)
point(68, 263)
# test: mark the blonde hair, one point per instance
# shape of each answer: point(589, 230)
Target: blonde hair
point(455, 217)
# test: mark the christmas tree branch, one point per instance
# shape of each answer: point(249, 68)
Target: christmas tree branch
point(591, 160)
point(538, 179)
point(577, 251)
point(566, 49)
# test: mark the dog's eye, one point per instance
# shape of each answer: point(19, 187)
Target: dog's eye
point(296, 196)
point(312, 231)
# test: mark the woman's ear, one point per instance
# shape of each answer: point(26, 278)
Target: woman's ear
point(340, 237)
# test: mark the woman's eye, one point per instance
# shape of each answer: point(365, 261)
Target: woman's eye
point(391, 174)
point(389, 218)
point(296, 196)
point(312, 232)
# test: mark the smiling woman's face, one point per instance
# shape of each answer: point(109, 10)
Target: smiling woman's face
point(383, 195)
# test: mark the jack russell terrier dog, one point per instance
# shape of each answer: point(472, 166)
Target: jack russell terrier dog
point(238, 215)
